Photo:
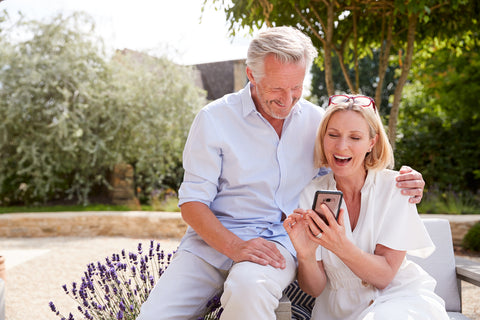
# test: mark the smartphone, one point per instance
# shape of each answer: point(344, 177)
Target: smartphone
point(333, 200)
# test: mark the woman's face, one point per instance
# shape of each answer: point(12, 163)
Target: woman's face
point(346, 143)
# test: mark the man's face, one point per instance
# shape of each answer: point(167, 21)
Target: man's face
point(280, 88)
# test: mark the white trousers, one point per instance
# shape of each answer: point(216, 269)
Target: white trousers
point(250, 290)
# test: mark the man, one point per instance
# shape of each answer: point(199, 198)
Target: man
point(247, 158)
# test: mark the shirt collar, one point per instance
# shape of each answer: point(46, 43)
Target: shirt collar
point(247, 101)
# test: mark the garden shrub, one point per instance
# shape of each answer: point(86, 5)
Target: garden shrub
point(69, 113)
point(471, 241)
point(438, 125)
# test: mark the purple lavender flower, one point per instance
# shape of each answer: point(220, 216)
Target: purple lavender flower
point(74, 289)
point(134, 271)
point(87, 315)
point(117, 287)
point(52, 306)
point(122, 306)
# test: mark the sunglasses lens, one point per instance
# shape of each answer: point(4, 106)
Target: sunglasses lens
point(362, 101)
point(339, 99)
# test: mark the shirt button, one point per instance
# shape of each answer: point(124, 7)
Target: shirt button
point(371, 302)
point(364, 283)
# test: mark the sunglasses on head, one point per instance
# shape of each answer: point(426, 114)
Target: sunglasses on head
point(361, 101)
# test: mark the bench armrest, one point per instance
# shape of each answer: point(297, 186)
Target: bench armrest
point(284, 310)
point(468, 270)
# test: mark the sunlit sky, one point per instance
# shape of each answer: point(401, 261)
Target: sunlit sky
point(177, 27)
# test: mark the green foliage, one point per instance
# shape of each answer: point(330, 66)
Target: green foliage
point(439, 122)
point(449, 202)
point(471, 241)
point(158, 100)
point(353, 30)
point(166, 201)
point(63, 208)
point(69, 114)
point(368, 81)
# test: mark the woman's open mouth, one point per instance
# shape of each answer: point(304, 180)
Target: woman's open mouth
point(342, 160)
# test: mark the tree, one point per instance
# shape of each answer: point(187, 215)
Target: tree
point(69, 113)
point(159, 100)
point(353, 29)
point(367, 81)
point(440, 121)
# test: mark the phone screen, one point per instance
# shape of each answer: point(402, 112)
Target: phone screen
point(333, 200)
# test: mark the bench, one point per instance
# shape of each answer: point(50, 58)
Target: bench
point(2, 299)
point(442, 265)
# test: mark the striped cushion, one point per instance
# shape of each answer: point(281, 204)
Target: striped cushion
point(302, 303)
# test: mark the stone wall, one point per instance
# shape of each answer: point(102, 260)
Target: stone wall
point(459, 224)
point(140, 224)
point(134, 224)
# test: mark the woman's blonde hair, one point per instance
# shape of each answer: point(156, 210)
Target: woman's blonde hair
point(381, 156)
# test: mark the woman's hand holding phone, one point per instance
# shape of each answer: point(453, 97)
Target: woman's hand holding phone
point(320, 220)
point(333, 236)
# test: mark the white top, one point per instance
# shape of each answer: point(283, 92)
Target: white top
point(236, 164)
point(387, 218)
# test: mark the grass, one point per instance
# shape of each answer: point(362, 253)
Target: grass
point(433, 202)
point(449, 202)
point(169, 205)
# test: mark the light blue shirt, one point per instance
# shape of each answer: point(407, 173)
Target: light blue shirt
point(236, 164)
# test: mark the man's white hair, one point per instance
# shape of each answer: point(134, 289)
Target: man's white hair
point(288, 44)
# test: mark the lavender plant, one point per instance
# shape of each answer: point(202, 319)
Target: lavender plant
point(213, 309)
point(116, 289)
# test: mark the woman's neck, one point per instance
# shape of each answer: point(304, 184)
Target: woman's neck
point(351, 184)
point(351, 188)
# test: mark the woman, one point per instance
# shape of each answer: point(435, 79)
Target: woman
point(359, 271)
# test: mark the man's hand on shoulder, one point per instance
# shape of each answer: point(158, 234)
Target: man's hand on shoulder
point(411, 182)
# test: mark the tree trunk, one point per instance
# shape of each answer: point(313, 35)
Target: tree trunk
point(383, 63)
point(328, 50)
point(345, 72)
point(355, 51)
point(392, 123)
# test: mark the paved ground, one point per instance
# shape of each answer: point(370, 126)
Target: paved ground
point(38, 267)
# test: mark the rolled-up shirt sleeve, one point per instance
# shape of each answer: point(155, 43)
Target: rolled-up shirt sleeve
point(201, 161)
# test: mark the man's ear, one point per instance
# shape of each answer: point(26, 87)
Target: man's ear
point(250, 76)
